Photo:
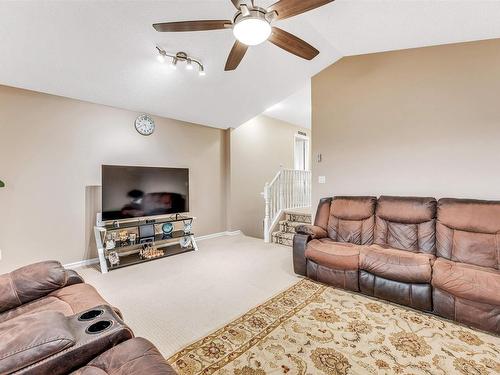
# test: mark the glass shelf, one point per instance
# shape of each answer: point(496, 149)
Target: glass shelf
point(131, 259)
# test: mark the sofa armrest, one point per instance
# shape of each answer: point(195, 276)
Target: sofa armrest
point(32, 282)
point(299, 250)
point(30, 338)
point(311, 230)
point(132, 357)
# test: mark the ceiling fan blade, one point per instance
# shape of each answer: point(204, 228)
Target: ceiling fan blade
point(292, 44)
point(235, 56)
point(290, 8)
point(192, 25)
point(236, 3)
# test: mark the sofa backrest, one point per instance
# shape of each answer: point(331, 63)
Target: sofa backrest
point(468, 231)
point(406, 223)
point(352, 219)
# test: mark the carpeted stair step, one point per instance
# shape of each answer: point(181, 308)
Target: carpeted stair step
point(289, 226)
point(298, 217)
point(283, 238)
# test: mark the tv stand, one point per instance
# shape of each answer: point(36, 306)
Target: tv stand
point(129, 251)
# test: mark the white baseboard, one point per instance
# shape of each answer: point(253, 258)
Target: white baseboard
point(82, 263)
point(219, 234)
point(89, 262)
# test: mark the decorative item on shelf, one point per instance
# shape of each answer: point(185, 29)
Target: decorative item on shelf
point(167, 228)
point(114, 258)
point(185, 242)
point(146, 232)
point(188, 226)
point(110, 242)
point(149, 251)
point(182, 57)
point(123, 236)
point(132, 237)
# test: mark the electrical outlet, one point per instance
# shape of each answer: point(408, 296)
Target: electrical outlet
point(321, 179)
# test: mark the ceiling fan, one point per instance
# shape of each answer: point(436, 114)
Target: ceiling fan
point(251, 26)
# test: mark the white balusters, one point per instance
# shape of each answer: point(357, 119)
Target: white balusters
point(289, 189)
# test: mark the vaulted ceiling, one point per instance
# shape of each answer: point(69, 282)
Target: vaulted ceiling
point(104, 51)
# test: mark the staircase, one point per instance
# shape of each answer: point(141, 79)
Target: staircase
point(287, 196)
point(287, 227)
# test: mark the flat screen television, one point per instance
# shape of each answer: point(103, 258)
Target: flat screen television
point(133, 192)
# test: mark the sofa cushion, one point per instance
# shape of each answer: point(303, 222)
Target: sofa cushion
point(352, 219)
point(336, 255)
point(468, 231)
point(30, 338)
point(68, 301)
point(467, 281)
point(133, 357)
point(406, 223)
point(398, 265)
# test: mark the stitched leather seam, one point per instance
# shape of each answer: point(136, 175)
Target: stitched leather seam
point(362, 219)
point(52, 339)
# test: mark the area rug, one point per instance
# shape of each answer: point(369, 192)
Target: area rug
point(315, 329)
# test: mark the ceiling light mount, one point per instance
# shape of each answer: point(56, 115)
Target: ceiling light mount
point(181, 57)
point(252, 26)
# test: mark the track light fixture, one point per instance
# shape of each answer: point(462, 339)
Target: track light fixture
point(183, 57)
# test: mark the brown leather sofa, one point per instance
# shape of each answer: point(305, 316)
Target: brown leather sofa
point(438, 257)
point(51, 322)
point(398, 266)
point(329, 251)
point(466, 276)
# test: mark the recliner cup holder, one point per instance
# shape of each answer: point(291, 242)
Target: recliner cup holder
point(91, 314)
point(99, 326)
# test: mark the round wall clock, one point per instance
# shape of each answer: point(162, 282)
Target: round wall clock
point(144, 125)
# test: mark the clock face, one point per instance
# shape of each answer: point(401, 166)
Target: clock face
point(145, 125)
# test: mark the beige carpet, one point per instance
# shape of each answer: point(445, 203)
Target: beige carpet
point(315, 329)
point(176, 300)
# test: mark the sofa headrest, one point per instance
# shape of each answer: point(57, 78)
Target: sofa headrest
point(470, 215)
point(353, 208)
point(406, 210)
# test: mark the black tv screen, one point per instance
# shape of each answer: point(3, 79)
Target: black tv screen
point(132, 192)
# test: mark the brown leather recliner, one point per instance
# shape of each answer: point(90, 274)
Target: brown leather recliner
point(53, 323)
point(329, 250)
point(466, 276)
point(398, 267)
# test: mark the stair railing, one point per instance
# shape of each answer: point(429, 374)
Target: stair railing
point(290, 188)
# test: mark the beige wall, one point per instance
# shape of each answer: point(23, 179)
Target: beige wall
point(51, 150)
point(414, 122)
point(258, 149)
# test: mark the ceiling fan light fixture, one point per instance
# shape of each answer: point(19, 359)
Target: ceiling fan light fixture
point(252, 30)
point(189, 65)
point(173, 65)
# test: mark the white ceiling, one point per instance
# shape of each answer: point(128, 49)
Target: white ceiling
point(104, 51)
point(296, 109)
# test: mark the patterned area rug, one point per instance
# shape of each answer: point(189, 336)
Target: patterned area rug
point(315, 329)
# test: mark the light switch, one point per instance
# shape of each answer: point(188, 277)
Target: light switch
point(321, 179)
